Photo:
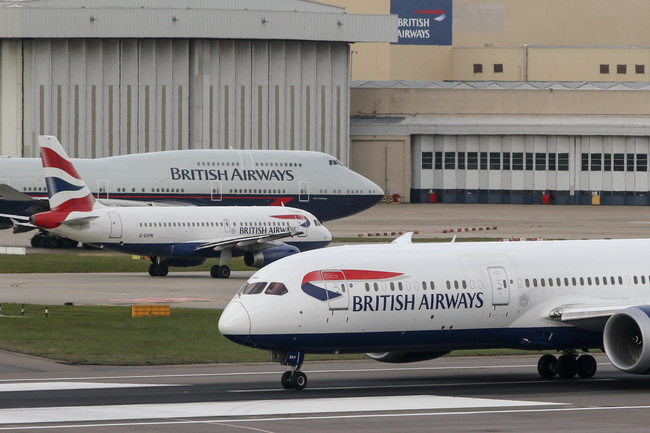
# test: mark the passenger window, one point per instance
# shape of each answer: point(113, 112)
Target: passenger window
point(277, 289)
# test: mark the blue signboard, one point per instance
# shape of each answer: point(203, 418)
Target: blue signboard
point(423, 22)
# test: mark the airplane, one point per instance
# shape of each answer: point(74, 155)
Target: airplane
point(308, 180)
point(171, 235)
point(406, 302)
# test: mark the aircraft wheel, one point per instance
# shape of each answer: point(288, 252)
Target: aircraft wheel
point(38, 241)
point(284, 380)
point(214, 272)
point(566, 366)
point(546, 366)
point(298, 380)
point(586, 366)
point(162, 270)
point(153, 270)
point(52, 242)
point(223, 271)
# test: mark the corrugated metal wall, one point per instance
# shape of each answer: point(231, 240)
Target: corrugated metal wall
point(112, 97)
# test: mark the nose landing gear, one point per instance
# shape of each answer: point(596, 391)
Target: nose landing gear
point(294, 378)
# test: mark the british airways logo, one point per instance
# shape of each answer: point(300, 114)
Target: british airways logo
point(328, 285)
point(234, 174)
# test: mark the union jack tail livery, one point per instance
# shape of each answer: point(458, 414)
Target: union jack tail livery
point(66, 189)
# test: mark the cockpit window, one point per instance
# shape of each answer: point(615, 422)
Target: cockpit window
point(335, 162)
point(317, 223)
point(277, 289)
point(253, 289)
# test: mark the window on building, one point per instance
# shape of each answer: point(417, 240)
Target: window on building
point(450, 160)
point(619, 162)
point(621, 69)
point(630, 162)
point(506, 160)
point(498, 68)
point(461, 160)
point(540, 161)
point(529, 161)
point(472, 160)
point(563, 161)
point(641, 162)
point(596, 162)
point(438, 160)
point(478, 68)
point(639, 69)
point(604, 69)
point(484, 160)
point(517, 161)
point(551, 162)
point(495, 161)
point(607, 162)
point(427, 160)
point(585, 162)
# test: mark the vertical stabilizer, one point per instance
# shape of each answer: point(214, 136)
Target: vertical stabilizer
point(66, 189)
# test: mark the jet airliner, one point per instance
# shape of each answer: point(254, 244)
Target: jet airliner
point(171, 235)
point(308, 180)
point(407, 302)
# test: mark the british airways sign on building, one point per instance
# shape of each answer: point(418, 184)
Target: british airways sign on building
point(423, 22)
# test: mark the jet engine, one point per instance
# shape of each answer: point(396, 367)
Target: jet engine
point(404, 357)
point(261, 258)
point(624, 339)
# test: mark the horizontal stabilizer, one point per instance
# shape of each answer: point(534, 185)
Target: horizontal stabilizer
point(9, 193)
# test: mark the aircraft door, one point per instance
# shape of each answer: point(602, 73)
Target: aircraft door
point(116, 225)
point(227, 227)
point(338, 297)
point(102, 188)
point(215, 190)
point(302, 224)
point(500, 285)
point(303, 189)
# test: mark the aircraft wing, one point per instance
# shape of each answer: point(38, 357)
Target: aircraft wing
point(246, 242)
point(592, 316)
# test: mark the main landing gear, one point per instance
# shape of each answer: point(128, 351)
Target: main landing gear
point(158, 268)
point(567, 365)
point(220, 271)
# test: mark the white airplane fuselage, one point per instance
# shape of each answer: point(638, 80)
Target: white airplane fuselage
point(312, 181)
point(178, 231)
point(435, 298)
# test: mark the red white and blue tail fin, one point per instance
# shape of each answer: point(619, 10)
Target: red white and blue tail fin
point(66, 189)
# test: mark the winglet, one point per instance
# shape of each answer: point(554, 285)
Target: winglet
point(406, 238)
point(65, 188)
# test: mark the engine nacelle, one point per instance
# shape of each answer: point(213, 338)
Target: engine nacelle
point(624, 339)
point(184, 263)
point(258, 259)
point(404, 357)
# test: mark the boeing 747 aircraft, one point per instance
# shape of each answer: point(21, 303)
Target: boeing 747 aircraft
point(171, 235)
point(413, 302)
point(313, 181)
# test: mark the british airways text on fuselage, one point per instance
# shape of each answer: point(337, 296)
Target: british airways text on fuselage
point(411, 302)
point(235, 174)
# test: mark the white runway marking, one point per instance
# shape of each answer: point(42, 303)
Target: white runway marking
point(252, 408)
point(59, 386)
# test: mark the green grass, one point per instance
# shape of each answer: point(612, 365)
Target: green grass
point(109, 335)
point(84, 262)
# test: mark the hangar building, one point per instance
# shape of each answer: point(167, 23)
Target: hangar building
point(505, 101)
point(115, 77)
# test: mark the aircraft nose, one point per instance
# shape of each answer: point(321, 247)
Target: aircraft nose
point(235, 323)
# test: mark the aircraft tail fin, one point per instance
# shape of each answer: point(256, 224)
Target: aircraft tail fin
point(66, 190)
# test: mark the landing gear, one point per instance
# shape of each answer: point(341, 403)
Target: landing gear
point(567, 365)
point(294, 378)
point(222, 271)
point(157, 268)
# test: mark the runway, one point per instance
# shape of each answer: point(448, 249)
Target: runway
point(449, 394)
